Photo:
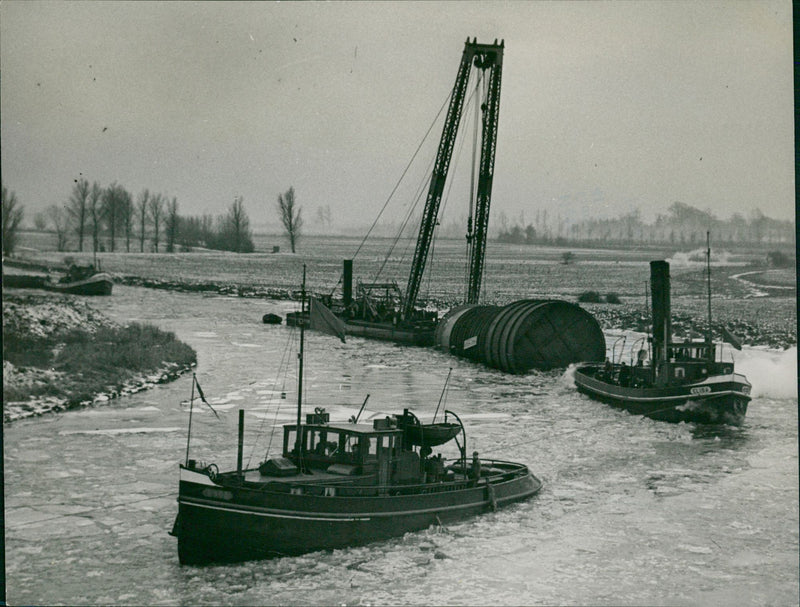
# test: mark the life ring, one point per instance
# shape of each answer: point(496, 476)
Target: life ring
point(212, 471)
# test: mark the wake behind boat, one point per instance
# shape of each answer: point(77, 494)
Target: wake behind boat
point(682, 380)
point(336, 485)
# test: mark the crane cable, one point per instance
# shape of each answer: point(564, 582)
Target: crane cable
point(409, 215)
point(402, 176)
point(394, 189)
point(445, 200)
point(460, 147)
point(470, 226)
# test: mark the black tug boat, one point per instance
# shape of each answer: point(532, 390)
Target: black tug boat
point(84, 280)
point(682, 381)
point(337, 485)
point(79, 280)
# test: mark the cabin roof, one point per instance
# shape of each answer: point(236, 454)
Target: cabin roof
point(362, 429)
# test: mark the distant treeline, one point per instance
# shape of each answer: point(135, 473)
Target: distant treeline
point(96, 218)
point(682, 225)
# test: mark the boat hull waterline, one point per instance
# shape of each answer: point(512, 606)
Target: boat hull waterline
point(720, 399)
point(98, 284)
point(228, 524)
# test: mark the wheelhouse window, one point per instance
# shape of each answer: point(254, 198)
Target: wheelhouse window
point(340, 446)
point(324, 443)
point(289, 441)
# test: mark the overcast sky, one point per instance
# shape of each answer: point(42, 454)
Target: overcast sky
point(606, 107)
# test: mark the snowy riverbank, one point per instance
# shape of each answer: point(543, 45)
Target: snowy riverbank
point(34, 383)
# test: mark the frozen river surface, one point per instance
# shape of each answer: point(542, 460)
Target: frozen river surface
point(632, 512)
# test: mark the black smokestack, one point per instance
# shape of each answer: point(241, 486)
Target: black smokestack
point(347, 282)
point(662, 325)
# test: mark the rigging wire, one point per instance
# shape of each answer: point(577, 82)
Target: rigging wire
point(409, 215)
point(461, 138)
point(443, 397)
point(423, 185)
point(402, 176)
point(436, 231)
point(470, 226)
point(446, 198)
point(283, 367)
point(394, 190)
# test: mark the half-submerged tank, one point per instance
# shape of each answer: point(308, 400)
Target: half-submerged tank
point(526, 334)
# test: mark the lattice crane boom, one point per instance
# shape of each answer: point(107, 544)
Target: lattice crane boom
point(485, 177)
point(483, 57)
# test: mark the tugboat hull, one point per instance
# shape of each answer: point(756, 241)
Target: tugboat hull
point(720, 399)
point(224, 524)
point(98, 284)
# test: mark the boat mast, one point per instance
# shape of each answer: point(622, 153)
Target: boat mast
point(708, 277)
point(299, 442)
point(649, 313)
point(191, 409)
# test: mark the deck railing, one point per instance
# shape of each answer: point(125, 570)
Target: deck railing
point(496, 471)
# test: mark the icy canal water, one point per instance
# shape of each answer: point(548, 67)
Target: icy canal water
point(632, 511)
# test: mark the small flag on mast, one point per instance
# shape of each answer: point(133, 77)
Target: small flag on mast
point(203, 396)
point(730, 338)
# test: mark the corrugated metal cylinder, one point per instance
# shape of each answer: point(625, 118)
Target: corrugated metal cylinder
point(467, 335)
point(524, 335)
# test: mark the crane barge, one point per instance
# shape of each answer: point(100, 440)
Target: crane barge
point(525, 334)
point(382, 310)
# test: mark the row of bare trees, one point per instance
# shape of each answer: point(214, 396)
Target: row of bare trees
point(93, 211)
point(230, 232)
point(99, 217)
point(682, 224)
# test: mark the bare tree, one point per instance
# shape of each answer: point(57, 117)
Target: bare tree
point(240, 222)
point(40, 221)
point(96, 213)
point(141, 211)
point(195, 230)
point(234, 229)
point(324, 216)
point(171, 222)
point(156, 208)
point(58, 217)
point(206, 228)
point(113, 202)
point(12, 217)
point(127, 211)
point(290, 215)
point(77, 208)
